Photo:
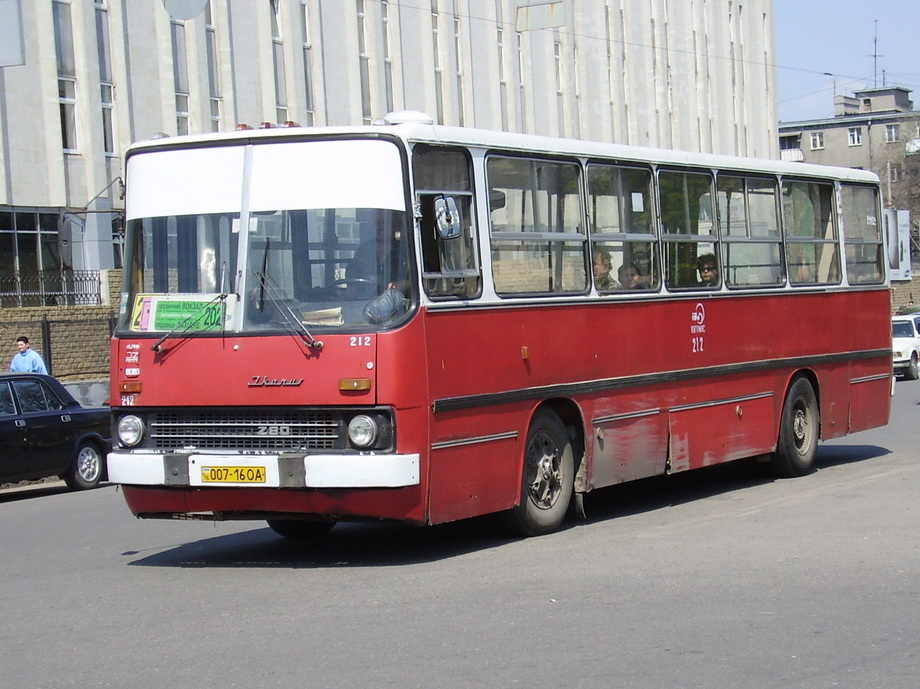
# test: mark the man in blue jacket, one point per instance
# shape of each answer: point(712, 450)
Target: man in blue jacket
point(27, 360)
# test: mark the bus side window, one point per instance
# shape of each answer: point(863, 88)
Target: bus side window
point(622, 224)
point(450, 266)
point(537, 233)
point(862, 232)
point(749, 223)
point(688, 229)
point(811, 237)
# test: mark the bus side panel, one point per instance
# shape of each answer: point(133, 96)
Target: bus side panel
point(870, 404)
point(627, 449)
point(479, 475)
point(716, 433)
point(833, 393)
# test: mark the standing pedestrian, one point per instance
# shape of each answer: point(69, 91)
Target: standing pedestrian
point(27, 360)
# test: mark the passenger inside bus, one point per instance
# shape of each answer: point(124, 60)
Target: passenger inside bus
point(602, 267)
point(630, 277)
point(709, 273)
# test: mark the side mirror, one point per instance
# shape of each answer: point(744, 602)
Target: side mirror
point(448, 217)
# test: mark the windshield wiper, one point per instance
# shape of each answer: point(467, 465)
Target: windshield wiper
point(190, 321)
point(270, 289)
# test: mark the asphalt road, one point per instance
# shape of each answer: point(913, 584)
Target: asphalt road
point(718, 579)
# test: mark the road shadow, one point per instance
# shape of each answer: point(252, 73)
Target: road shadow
point(390, 545)
point(347, 545)
point(659, 492)
point(32, 492)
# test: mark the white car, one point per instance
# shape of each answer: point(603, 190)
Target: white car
point(905, 345)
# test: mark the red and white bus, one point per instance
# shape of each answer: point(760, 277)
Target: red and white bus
point(413, 322)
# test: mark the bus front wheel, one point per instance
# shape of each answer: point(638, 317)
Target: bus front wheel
point(300, 529)
point(548, 477)
point(798, 432)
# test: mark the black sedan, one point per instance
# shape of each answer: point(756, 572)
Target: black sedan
point(45, 432)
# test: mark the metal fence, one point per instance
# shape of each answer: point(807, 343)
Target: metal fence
point(51, 288)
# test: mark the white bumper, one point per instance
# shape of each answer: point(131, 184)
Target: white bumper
point(272, 471)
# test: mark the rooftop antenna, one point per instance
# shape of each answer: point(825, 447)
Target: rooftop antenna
point(875, 57)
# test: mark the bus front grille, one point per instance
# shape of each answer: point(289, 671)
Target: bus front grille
point(241, 430)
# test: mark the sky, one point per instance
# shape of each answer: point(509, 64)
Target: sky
point(834, 47)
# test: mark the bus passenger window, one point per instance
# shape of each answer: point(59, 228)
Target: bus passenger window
point(688, 229)
point(749, 224)
point(811, 237)
point(621, 218)
point(862, 234)
point(537, 231)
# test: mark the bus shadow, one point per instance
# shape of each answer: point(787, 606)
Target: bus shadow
point(348, 545)
point(659, 492)
point(390, 545)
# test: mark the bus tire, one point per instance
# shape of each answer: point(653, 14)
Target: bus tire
point(300, 529)
point(798, 432)
point(548, 477)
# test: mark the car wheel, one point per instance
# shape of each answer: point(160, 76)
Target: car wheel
point(86, 469)
point(913, 369)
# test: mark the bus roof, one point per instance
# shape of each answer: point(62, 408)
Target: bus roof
point(417, 130)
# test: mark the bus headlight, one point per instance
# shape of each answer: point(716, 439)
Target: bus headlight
point(362, 431)
point(130, 430)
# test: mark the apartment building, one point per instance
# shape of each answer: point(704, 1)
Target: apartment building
point(875, 129)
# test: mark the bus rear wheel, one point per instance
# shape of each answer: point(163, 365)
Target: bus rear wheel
point(300, 529)
point(798, 432)
point(548, 477)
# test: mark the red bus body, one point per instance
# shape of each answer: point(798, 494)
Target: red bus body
point(648, 386)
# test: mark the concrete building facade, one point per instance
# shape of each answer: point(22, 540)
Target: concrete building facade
point(874, 129)
point(97, 75)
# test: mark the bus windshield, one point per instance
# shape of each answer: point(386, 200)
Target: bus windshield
point(267, 238)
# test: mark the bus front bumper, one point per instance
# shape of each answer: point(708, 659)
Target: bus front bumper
point(289, 470)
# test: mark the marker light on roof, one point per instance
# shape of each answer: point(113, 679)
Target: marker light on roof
point(407, 117)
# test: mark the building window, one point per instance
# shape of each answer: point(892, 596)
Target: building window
point(387, 58)
point(180, 76)
point(213, 71)
point(281, 110)
point(790, 142)
point(817, 141)
point(855, 136)
point(436, 50)
point(66, 69)
point(458, 49)
point(107, 88)
point(305, 24)
point(558, 68)
point(894, 172)
point(29, 241)
point(364, 64)
point(502, 56)
point(892, 133)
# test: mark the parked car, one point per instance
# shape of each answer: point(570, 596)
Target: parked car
point(45, 432)
point(905, 345)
